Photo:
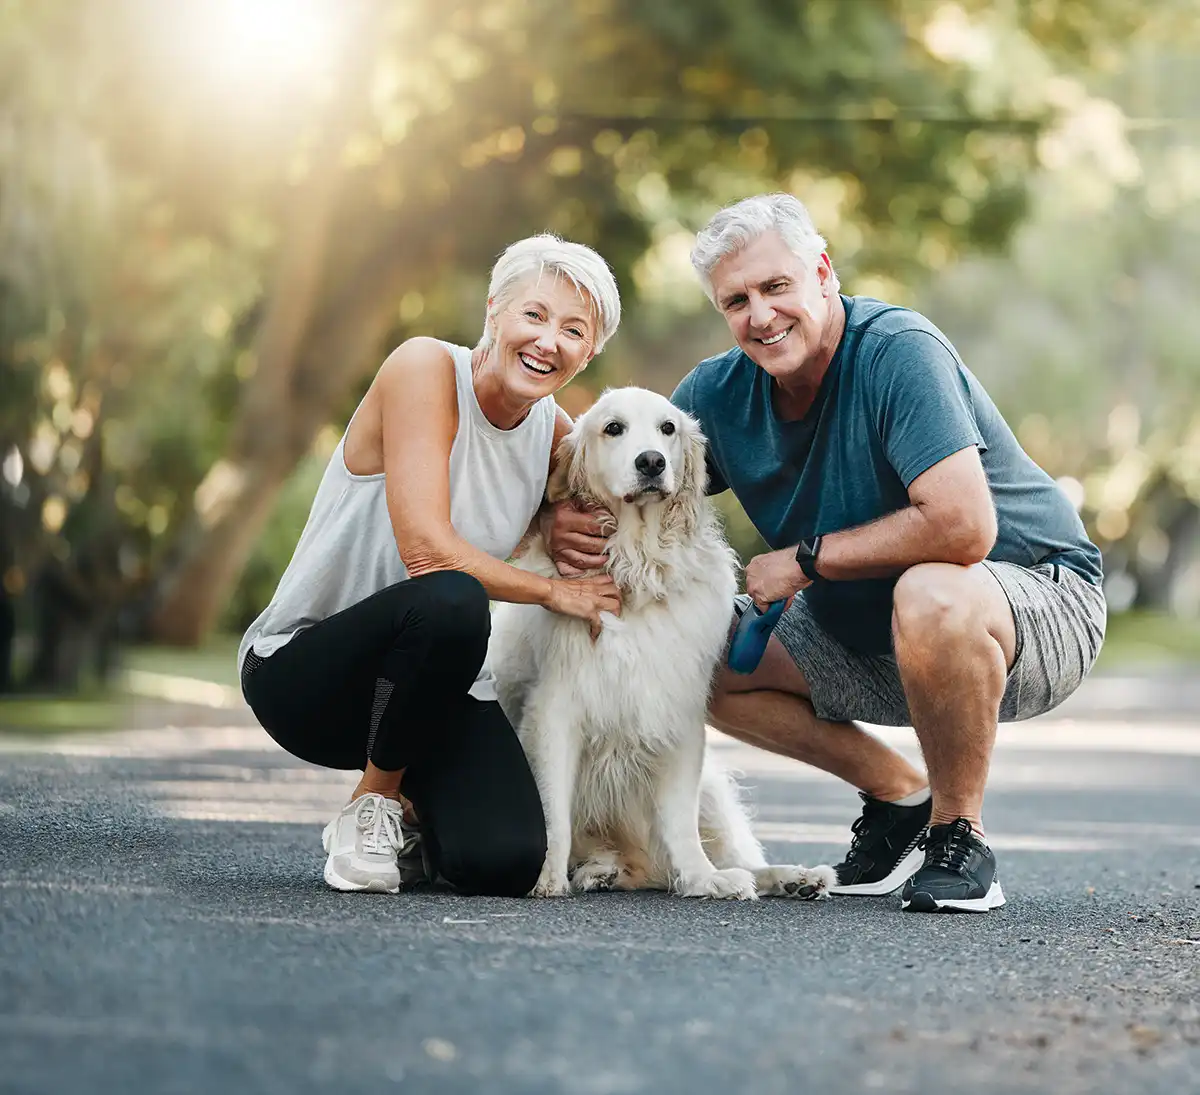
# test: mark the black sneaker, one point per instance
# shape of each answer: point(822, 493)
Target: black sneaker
point(884, 851)
point(959, 873)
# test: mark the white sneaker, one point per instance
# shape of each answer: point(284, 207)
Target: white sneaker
point(363, 843)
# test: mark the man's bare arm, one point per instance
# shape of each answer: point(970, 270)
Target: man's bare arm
point(952, 519)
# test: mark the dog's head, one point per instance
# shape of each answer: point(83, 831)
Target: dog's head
point(633, 446)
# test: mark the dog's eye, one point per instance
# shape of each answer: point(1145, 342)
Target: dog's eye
point(615, 429)
point(667, 428)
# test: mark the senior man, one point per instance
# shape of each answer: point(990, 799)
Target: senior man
point(938, 577)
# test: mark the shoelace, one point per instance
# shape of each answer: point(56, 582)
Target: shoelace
point(949, 848)
point(379, 820)
point(861, 826)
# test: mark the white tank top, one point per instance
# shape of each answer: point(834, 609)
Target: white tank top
point(347, 550)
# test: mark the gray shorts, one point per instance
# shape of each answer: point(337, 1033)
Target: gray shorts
point(1060, 619)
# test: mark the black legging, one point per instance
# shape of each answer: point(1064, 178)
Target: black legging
point(387, 679)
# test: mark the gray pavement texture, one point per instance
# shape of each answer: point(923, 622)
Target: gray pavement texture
point(164, 928)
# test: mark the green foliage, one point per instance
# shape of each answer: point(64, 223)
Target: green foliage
point(55, 715)
point(1138, 639)
point(215, 661)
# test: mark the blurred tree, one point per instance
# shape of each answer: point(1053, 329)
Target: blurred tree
point(110, 339)
point(54, 201)
point(263, 239)
point(1086, 331)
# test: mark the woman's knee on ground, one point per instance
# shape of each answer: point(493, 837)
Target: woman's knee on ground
point(503, 863)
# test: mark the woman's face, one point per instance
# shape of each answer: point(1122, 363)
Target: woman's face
point(543, 336)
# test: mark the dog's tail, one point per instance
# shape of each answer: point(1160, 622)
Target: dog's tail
point(724, 822)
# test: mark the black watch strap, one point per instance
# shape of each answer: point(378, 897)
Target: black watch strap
point(806, 556)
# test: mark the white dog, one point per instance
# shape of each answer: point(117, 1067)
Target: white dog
point(614, 730)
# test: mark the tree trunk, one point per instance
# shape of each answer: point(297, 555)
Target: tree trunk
point(277, 417)
point(278, 421)
point(235, 499)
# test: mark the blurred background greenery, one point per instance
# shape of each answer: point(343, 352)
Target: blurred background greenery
point(217, 216)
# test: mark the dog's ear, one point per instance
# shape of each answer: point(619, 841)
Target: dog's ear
point(684, 512)
point(567, 480)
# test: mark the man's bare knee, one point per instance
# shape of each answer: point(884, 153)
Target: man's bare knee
point(940, 606)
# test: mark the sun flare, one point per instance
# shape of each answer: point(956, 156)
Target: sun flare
point(272, 41)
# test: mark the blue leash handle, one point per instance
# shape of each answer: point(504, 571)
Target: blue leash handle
point(749, 641)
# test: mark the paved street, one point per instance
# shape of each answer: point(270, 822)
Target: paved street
point(164, 928)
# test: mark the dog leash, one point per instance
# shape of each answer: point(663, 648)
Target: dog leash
point(749, 641)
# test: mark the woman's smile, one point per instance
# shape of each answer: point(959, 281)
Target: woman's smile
point(536, 364)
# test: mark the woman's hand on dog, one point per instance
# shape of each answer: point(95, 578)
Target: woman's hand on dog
point(574, 537)
point(585, 599)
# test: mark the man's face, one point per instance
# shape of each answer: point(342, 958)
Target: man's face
point(777, 308)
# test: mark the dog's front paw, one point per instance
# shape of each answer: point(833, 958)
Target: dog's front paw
point(602, 872)
point(730, 884)
point(552, 882)
point(805, 883)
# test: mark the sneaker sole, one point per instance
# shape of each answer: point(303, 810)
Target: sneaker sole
point(337, 882)
point(901, 873)
point(923, 902)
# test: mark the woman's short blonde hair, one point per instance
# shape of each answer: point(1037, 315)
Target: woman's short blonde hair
point(547, 254)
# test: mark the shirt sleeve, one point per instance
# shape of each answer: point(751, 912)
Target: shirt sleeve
point(922, 403)
point(684, 397)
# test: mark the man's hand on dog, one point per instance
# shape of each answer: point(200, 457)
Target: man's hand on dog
point(775, 576)
point(574, 538)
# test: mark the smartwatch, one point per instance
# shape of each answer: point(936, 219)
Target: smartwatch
point(806, 556)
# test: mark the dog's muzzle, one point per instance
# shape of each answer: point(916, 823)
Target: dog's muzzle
point(647, 489)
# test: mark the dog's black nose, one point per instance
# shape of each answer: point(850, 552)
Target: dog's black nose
point(650, 463)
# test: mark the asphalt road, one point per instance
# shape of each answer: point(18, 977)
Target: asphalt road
point(164, 928)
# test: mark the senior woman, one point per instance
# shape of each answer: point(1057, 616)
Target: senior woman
point(371, 654)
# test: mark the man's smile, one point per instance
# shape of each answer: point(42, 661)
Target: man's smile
point(771, 340)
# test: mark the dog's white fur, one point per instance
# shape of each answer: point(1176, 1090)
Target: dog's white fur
point(614, 730)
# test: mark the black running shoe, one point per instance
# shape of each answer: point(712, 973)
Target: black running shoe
point(959, 873)
point(884, 852)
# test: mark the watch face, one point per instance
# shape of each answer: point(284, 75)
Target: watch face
point(806, 556)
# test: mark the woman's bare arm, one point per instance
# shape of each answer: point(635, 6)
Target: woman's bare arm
point(418, 409)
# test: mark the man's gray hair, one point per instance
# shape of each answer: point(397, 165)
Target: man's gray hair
point(740, 224)
point(547, 254)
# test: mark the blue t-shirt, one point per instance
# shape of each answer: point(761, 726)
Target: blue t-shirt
point(895, 400)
